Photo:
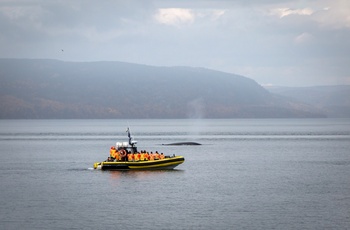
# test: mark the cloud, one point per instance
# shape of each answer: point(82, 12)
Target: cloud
point(212, 14)
point(217, 14)
point(303, 38)
point(267, 40)
point(335, 16)
point(180, 16)
point(175, 16)
point(328, 14)
point(283, 12)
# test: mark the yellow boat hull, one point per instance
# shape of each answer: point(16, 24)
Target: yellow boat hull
point(166, 163)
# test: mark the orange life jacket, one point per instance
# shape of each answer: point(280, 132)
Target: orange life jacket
point(136, 157)
point(130, 157)
point(151, 157)
point(156, 156)
point(112, 152)
point(117, 155)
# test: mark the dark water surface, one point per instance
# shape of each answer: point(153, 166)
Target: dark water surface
point(247, 174)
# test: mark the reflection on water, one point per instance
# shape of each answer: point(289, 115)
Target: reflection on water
point(140, 174)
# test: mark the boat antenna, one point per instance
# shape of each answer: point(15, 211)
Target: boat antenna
point(129, 135)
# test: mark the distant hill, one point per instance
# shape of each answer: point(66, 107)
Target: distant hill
point(32, 88)
point(334, 101)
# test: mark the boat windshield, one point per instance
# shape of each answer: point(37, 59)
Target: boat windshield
point(129, 149)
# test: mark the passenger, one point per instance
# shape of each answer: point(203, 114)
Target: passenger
point(146, 156)
point(136, 157)
point(117, 156)
point(161, 156)
point(142, 156)
point(112, 152)
point(139, 155)
point(130, 157)
point(151, 156)
point(156, 156)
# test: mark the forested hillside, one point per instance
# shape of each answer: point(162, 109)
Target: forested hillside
point(56, 89)
point(334, 101)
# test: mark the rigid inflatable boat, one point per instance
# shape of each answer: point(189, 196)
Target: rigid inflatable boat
point(166, 163)
point(125, 156)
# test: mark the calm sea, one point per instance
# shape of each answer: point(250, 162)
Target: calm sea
point(247, 174)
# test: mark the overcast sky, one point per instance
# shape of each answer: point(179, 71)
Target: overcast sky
point(277, 42)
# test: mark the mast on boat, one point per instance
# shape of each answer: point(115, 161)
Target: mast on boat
point(132, 143)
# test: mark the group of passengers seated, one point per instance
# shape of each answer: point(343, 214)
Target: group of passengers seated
point(123, 155)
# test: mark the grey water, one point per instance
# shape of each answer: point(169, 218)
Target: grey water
point(247, 174)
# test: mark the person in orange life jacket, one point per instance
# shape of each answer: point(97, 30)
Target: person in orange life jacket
point(142, 156)
point(112, 152)
point(130, 157)
point(139, 155)
point(146, 156)
point(161, 156)
point(156, 156)
point(151, 156)
point(136, 157)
